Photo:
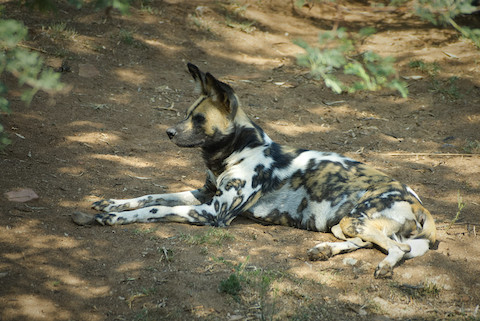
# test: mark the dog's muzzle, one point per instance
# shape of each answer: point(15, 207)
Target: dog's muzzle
point(171, 132)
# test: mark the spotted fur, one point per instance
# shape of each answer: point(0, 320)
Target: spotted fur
point(249, 174)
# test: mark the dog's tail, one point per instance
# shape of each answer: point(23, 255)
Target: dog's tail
point(427, 223)
point(426, 236)
point(418, 247)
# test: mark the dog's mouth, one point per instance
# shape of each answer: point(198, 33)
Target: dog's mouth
point(187, 144)
point(183, 139)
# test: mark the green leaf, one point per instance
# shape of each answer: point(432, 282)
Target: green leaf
point(367, 31)
point(400, 86)
point(356, 68)
point(4, 105)
point(4, 141)
point(121, 5)
point(299, 3)
point(27, 95)
point(11, 33)
point(77, 3)
point(50, 80)
point(334, 84)
point(472, 34)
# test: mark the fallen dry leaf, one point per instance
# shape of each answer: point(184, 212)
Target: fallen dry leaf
point(21, 195)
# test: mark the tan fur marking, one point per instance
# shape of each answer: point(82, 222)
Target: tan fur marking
point(374, 231)
point(387, 226)
point(287, 150)
point(346, 224)
point(296, 182)
point(236, 202)
point(216, 119)
point(253, 200)
point(283, 221)
point(194, 105)
point(422, 214)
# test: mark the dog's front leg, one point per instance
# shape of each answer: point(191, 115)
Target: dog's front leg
point(173, 199)
point(227, 203)
point(195, 197)
point(193, 214)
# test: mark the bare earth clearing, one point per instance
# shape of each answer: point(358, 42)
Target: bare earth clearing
point(105, 137)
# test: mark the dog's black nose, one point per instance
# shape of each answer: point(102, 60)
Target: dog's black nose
point(171, 132)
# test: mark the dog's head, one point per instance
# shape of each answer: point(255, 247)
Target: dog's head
point(211, 117)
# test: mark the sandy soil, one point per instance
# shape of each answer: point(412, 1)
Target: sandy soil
point(105, 137)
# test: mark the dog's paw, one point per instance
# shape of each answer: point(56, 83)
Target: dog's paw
point(321, 252)
point(111, 206)
point(383, 271)
point(110, 219)
point(102, 205)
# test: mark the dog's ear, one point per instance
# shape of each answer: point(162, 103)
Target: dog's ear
point(199, 77)
point(222, 94)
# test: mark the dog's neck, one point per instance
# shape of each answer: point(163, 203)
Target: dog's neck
point(244, 134)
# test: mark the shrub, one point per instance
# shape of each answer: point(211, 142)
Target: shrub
point(24, 65)
point(443, 12)
point(338, 50)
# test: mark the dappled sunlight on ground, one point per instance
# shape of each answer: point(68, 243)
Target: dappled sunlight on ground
point(130, 76)
point(93, 138)
point(124, 160)
point(34, 307)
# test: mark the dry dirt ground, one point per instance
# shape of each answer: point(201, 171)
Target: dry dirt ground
point(105, 137)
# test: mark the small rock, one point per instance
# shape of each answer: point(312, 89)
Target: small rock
point(82, 219)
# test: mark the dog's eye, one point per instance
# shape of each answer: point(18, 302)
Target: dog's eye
point(199, 118)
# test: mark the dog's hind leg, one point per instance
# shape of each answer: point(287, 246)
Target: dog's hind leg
point(363, 233)
point(377, 231)
point(325, 250)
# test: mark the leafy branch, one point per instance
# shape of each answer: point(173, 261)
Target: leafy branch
point(24, 65)
point(443, 12)
point(337, 50)
point(28, 66)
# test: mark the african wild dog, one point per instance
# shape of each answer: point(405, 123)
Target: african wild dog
point(248, 174)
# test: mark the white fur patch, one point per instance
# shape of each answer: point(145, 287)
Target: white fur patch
point(399, 212)
point(414, 194)
point(418, 247)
